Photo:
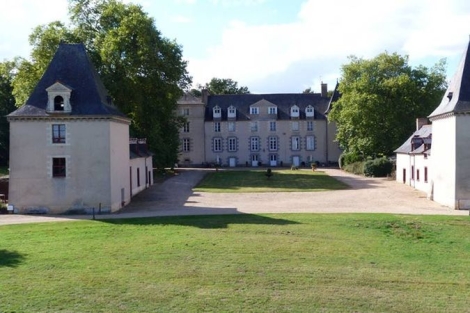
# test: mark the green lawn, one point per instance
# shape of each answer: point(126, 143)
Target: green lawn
point(239, 263)
point(257, 181)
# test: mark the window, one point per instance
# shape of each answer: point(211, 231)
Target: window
point(232, 144)
point(217, 127)
point(186, 127)
point(425, 174)
point(58, 167)
point(294, 111)
point(272, 110)
point(217, 144)
point(231, 126)
point(272, 126)
point(310, 143)
point(186, 111)
point(217, 112)
point(295, 143)
point(309, 111)
point(295, 126)
point(138, 177)
point(58, 133)
point(186, 145)
point(254, 143)
point(254, 126)
point(412, 172)
point(417, 175)
point(309, 125)
point(254, 110)
point(58, 103)
point(232, 112)
point(272, 143)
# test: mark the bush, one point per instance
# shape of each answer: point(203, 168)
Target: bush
point(347, 158)
point(381, 167)
point(355, 168)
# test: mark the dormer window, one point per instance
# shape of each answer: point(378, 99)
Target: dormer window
point(232, 112)
point(59, 99)
point(309, 111)
point(254, 110)
point(58, 103)
point(217, 112)
point(272, 110)
point(294, 111)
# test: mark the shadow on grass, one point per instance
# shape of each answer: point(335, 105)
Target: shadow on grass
point(202, 221)
point(10, 258)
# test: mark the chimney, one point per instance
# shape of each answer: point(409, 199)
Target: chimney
point(324, 89)
point(420, 122)
point(205, 95)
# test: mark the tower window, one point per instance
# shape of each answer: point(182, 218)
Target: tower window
point(58, 103)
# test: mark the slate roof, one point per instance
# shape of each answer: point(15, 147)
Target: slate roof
point(72, 67)
point(457, 97)
point(189, 98)
point(425, 134)
point(282, 101)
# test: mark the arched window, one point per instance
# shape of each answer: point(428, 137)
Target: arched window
point(58, 103)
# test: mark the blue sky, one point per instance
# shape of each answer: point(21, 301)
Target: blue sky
point(277, 46)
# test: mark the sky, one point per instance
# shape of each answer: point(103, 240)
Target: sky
point(277, 46)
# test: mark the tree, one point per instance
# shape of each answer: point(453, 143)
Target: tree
point(308, 90)
point(143, 71)
point(7, 105)
point(380, 100)
point(223, 86)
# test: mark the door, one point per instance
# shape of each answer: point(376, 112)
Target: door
point(254, 160)
point(296, 161)
point(232, 162)
point(273, 160)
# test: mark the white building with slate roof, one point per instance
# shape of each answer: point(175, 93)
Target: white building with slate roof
point(69, 145)
point(447, 168)
point(258, 130)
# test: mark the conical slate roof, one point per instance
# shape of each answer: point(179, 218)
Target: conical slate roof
point(457, 97)
point(71, 67)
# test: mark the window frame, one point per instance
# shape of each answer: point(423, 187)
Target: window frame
point(254, 110)
point(217, 144)
point(310, 143)
point(59, 133)
point(216, 127)
point(231, 127)
point(310, 126)
point(295, 139)
point(186, 127)
point(59, 167)
point(232, 144)
point(186, 145)
point(254, 144)
point(295, 126)
point(273, 143)
point(272, 126)
point(272, 110)
point(254, 126)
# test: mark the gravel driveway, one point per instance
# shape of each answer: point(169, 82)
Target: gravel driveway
point(175, 197)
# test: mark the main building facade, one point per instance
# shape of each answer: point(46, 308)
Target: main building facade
point(258, 130)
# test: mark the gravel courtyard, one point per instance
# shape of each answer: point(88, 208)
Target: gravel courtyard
point(175, 197)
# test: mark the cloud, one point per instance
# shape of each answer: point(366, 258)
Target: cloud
point(329, 31)
point(181, 19)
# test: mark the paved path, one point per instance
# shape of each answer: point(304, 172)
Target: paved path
point(175, 197)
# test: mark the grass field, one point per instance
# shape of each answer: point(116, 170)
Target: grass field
point(238, 263)
point(257, 181)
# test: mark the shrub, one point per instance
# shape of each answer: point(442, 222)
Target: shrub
point(355, 168)
point(380, 167)
point(347, 158)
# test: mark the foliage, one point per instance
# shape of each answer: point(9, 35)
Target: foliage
point(238, 263)
point(143, 71)
point(269, 173)
point(380, 100)
point(251, 181)
point(308, 90)
point(222, 86)
point(380, 167)
point(347, 158)
point(7, 105)
point(355, 168)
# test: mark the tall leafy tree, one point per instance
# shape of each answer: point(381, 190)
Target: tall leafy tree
point(223, 86)
point(380, 100)
point(7, 105)
point(143, 71)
